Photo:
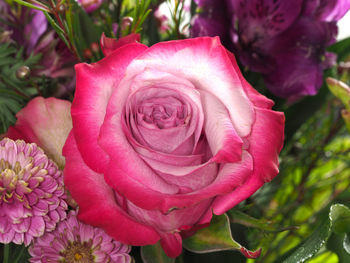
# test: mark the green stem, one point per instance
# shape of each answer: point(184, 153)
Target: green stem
point(6, 253)
point(19, 254)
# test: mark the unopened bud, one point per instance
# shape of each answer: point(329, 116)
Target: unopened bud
point(87, 53)
point(23, 72)
point(103, 14)
point(126, 22)
point(344, 67)
point(111, 7)
point(62, 8)
point(5, 37)
point(94, 47)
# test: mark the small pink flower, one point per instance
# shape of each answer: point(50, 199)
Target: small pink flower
point(90, 5)
point(31, 192)
point(73, 241)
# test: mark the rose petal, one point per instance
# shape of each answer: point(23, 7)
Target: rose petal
point(255, 97)
point(152, 83)
point(176, 160)
point(94, 86)
point(45, 122)
point(224, 142)
point(144, 197)
point(268, 131)
point(108, 45)
point(169, 222)
point(206, 54)
point(186, 177)
point(116, 145)
point(93, 194)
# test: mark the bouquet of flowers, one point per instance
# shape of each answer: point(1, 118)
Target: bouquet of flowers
point(174, 131)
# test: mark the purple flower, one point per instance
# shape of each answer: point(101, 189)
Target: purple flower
point(212, 20)
point(35, 29)
point(284, 40)
point(27, 26)
point(31, 192)
point(73, 241)
point(56, 59)
point(3, 7)
point(29, 29)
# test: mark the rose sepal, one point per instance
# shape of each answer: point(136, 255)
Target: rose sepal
point(217, 237)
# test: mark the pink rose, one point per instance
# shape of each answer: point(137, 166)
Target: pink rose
point(46, 122)
point(164, 136)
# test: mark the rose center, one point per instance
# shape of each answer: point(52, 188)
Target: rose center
point(77, 252)
point(163, 113)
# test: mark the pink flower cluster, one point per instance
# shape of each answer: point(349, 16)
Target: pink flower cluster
point(31, 192)
point(73, 241)
point(33, 202)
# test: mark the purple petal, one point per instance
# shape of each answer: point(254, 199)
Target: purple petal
point(299, 57)
point(326, 10)
point(213, 20)
point(35, 29)
point(265, 18)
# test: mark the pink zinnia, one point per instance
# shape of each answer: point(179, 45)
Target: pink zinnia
point(31, 192)
point(73, 241)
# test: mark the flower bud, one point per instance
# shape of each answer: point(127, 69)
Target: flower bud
point(94, 47)
point(344, 67)
point(126, 22)
point(5, 37)
point(23, 72)
point(87, 53)
point(111, 7)
point(62, 8)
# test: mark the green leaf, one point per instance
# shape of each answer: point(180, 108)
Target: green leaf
point(346, 244)
point(341, 48)
point(31, 5)
point(313, 244)
point(57, 28)
point(14, 91)
point(69, 24)
point(337, 221)
point(84, 31)
point(216, 237)
point(246, 220)
point(155, 254)
point(336, 244)
point(340, 217)
point(140, 14)
point(298, 113)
